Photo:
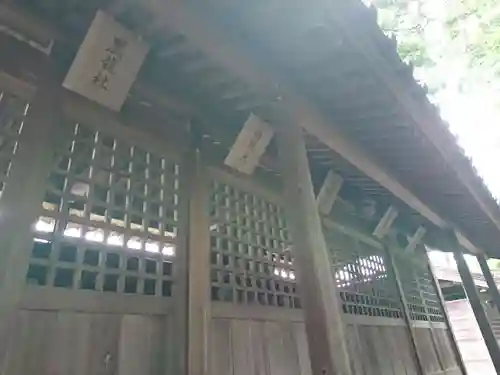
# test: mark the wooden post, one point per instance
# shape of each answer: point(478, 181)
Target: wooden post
point(404, 308)
point(492, 286)
point(179, 359)
point(198, 263)
point(319, 295)
point(23, 193)
point(477, 307)
point(449, 330)
point(20, 203)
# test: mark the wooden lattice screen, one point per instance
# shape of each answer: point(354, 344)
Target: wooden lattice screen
point(422, 299)
point(250, 249)
point(361, 273)
point(109, 218)
point(252, 261)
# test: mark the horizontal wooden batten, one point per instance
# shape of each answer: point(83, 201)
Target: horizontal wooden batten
point(232, 311)
point(246, 183)
point(51, 299)
point(224, 310)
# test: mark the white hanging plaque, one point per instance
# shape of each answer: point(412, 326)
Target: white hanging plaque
point(107, 63)
point(250, 145)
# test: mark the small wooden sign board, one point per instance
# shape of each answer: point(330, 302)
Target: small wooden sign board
point(107, 63)
point(250, 145)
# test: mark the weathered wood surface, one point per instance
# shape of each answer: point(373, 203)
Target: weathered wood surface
point(241, 346)
point(320, 300)
point(198, 268)
point(250, 347)
point(375, 347)
point(59, 342)
point(68, 342)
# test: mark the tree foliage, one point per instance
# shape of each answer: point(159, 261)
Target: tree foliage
point(455, 48)
point(476, 23)
point(403, 19)
point(429, 31)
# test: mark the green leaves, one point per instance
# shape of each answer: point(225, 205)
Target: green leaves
point(440, 33)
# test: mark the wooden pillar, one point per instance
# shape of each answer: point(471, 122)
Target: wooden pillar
point(383, 230)
point(319, 295)
point(477, 307)
point(198, 263)
point(404, 308)
point(449, 330)
point(492, 286)
point(42, 134)
point(21, 199)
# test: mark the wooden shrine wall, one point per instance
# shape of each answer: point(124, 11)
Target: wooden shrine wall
point(257, 312)
point(103, 288)
point(102, 275)
point(48, 342)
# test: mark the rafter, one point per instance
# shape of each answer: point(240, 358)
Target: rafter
point(217, 46)
point(385, 223)
point(221, 49)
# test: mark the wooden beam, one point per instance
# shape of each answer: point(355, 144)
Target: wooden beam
point(415, 239)
point(385, 223)
point(219, 47)
point(442, 305)
point(26, 25)
point(21, 73)
point(22, 79)
point(216, 44)
point(467, 244)
point(428, 121)
point(329, 192)
point(492, 286)
point(318, 292)
point(198, 265)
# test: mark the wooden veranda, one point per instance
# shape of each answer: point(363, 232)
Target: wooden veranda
point(131, 244)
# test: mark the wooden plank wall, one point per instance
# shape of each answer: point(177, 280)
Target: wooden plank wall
point(71, 342)
point(59, 332)
point(270, 341)
point(248, 347)
point(82, 343)
point(251, 346)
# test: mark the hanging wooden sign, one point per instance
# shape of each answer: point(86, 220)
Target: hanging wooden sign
point(107, 63)
point(250, 145)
